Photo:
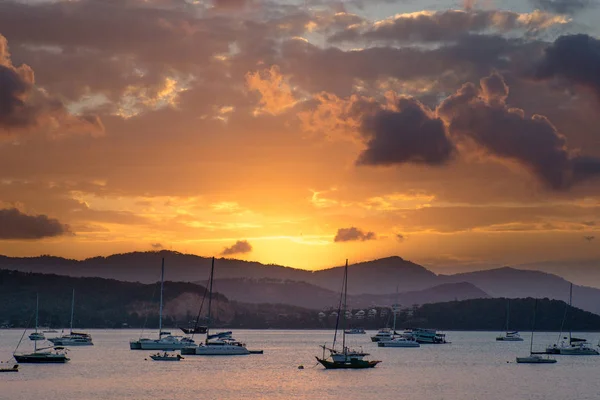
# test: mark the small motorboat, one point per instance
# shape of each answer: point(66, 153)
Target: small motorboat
point(15, 368)
point(166, 357)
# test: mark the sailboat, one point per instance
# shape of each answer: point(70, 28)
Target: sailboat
point(165, 340)
point(73, 338)
point(219, 344)
point(44, 355)
point(534, 358)
point(344, 358)
point(509, 336)
point(37, 335)
point(576, 346)
point(398, 340)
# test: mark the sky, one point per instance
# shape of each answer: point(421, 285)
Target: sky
point(450, 133)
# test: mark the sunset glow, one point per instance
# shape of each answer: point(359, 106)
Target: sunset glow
point(300, 133)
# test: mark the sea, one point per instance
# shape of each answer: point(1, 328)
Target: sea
point(473, 366)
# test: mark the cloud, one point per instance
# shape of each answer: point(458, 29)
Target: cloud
point(407, 133)
point(275, 93)
point(400, 237)
point(157, 246)
point(562, 6)
point(483, 116)
point(575, 58)
point(14, 225)
point(240, 247)
point(23, 106)
point(589, 238)
point(229, 4)
point(448, 25)
point(353, 234)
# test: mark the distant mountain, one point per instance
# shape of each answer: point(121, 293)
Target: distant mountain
point(374, 278)
point(516, 283)
point(306, 295)
point(105, 303)
point(582, 272)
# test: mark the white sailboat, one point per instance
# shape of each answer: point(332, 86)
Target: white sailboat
point(402, 340)
point(73, 338)
point(576, 346)
point(220, 344)
point(509, 336)
point(165, 340)
point(534, 358)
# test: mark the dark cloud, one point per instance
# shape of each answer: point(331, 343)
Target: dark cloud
point(16, 225)
point(353, 234)
point(230, 4)
point(240, 247)
point(575, 58)
point(400, 237)
point(483, 116)
point(408, 133)
point(23, 106)
point(562, 6)
point(589, 238)
point(157, 246)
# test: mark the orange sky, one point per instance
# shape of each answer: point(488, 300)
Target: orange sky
point(299, 134)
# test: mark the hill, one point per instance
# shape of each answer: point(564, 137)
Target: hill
point(306, 295)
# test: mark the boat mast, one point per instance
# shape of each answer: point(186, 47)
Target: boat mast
point(162, 283)
point(394, 310)
point(72, 309)
point(344, 312)
point(507, 313)
point(532, 328)
point(37, 307)
point(212, 271)
point(570, 300)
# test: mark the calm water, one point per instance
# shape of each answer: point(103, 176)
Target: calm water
point(474, 366)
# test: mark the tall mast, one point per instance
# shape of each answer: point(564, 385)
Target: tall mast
point(72, 309)
point(212, 271)
point(395, 309)
point(570, 300)
point(507, 313)
point(532, 327)
point(162, 283)
point(344, 311)
point(37, 307)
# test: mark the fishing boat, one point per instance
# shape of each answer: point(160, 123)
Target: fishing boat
point(165, 340)
point(166, 357)
point(345, 358)
point(73, 338)
point(509, 336)
point(37, 335)
point(534, 358)
point(15, 368)
point(218, 344)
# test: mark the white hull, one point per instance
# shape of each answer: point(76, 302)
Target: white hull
point(220, 350)
point(157, 345)
point(398, 343)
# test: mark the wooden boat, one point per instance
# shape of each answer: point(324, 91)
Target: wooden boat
point(15, 368)
point(346, 358)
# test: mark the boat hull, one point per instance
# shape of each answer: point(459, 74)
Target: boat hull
point(41, 359)
point(152, 345)
point(135, 345)
point(15, 368)
point(578, 352)
point(508, 339)
point(167, 358)
point(70, 343)
point(394, 343)
point(212, 350)
point(535, 360)
point(351, 364)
